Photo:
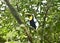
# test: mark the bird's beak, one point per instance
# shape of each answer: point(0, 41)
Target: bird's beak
point(30, 18)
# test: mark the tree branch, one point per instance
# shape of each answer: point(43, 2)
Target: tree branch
point(16, 15)
point(13, 11)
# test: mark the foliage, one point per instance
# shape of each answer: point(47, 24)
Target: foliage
point(47, 14)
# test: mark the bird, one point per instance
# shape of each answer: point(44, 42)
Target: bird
point(33, 21)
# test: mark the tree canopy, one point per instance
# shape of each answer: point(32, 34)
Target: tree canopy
point(13, 21)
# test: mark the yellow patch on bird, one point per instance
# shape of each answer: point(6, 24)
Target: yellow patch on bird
point(30, 18)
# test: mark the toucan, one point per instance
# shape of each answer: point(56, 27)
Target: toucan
point(33, 21)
